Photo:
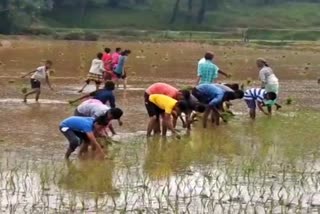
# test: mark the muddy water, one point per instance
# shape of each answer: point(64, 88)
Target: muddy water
point(271, 165)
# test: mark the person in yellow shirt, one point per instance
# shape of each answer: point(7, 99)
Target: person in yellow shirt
point(161, 105)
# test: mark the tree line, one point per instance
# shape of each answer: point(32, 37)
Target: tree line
point(18, 14)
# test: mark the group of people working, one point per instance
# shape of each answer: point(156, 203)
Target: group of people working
point(164, 103)
point(108, 66)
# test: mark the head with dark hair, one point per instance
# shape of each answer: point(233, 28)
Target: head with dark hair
point(183, 95)
point(239, 94)
point(229, 95)
point(109, 85)
point(114, 114)
point(208, 56)
point(200, 108)
point(118, 50)
point(107, 50)
point(99, 55)
point(48, 64)
point(233, 86)
point(128, 51)
point(181, 106)
point(102, 121)
point(271, 96)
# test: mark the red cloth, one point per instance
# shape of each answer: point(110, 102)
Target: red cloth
point(107, 60)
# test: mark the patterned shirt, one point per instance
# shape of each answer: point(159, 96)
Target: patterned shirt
point(207, 72)
point(255, 94)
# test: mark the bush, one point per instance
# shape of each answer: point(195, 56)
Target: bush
point(90, 36)
point(74, 36)
point(38, 31)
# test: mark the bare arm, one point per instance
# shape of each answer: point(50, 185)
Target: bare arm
point(112, 129)
point(260, 106)
point(168, 122)
point(93, 141)
point(48, 82)
point(223, 73)
point(31, 72)
point(80, 98)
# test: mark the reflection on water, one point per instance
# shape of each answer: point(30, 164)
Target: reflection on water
point(269, 166)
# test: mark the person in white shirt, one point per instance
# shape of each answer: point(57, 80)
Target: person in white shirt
point(269, 81)
point(95, 73)
point(40, 74)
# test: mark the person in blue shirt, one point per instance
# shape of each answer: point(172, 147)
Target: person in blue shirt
point(82, 131)
point(208, 71)
point(119, 69)
point(105, 95)
point(213, 97)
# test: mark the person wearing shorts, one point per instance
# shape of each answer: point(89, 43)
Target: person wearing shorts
point(96, 72)
point(80, 132)
point(164, 106)
point(257, 97)
point(39, 74)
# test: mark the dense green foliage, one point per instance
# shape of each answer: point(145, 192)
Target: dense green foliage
point(18, 15)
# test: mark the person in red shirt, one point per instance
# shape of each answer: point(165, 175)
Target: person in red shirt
point(107, 61)
point(115, 57)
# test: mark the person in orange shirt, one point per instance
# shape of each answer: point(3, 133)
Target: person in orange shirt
point(164, 106)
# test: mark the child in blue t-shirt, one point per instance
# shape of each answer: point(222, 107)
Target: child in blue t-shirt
point(80, 131)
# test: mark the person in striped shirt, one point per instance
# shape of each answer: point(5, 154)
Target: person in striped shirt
point(257, 97)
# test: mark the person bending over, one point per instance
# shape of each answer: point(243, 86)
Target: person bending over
point(258, 97)
point(165, 107)
point(81, 132)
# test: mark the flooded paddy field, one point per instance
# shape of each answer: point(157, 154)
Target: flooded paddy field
point(271, 165)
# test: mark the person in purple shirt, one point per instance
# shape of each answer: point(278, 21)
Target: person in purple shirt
point(213, 97)
point(82, 131)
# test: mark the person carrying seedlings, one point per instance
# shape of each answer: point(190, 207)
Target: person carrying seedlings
point(208, 71)
point(159, 105)
point(257, 97)
point(104, 95)
point(120, 70)
point(95, 108)
point(213, 97)
point(82, 132)
point(269, 81)
point(38, 75)
point(95, 73)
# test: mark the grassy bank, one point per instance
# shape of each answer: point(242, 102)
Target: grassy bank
point(294, 21)
point(283, 16)
point(233, 34)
